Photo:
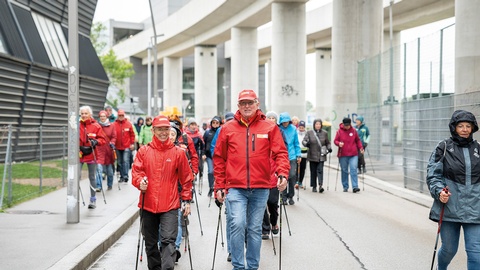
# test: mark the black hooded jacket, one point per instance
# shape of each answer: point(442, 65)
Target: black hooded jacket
point(455, 163)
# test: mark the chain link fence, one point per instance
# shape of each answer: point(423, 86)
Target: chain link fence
point(33, 162)
point(407, 96)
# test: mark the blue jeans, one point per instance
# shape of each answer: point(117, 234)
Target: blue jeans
point(347, 163)
point(227, 227)
point(108, 169)
point(246, 208)
point(123, 162)
point(450, 235)
point(178, 241)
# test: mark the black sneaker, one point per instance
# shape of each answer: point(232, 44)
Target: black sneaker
point(345, 190)
point(355, 190)
point(314, 189)
point(178, 255)
point(92, 205)
point(291, 201)
point(265, 237)
point(229, 258)
point(275, 229)
point(322, 190)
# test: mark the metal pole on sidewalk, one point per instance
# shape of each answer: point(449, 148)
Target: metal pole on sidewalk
point(73, 204)
point(7, 163)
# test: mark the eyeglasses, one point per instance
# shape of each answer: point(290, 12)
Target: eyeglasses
point(162, 129)
point(245, 103)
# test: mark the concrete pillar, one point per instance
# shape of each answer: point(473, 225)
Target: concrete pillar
point(467, 54)
point(244, 62)
point(172, 82)
point(323, 86)
point(205, 82)
point(357, 33)
point(288, 58)
point(268, 88)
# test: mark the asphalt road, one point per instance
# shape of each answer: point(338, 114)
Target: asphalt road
point(370, 230)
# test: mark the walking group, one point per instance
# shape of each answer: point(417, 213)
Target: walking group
point(256, 165)
point(259, 160)
point(106, 147)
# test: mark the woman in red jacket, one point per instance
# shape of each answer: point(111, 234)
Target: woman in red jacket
point(349, 144)
point(156, 172)
point(91, 135)
point(106, 153)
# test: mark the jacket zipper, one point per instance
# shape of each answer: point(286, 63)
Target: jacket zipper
point(248, 162)
point(253, 142)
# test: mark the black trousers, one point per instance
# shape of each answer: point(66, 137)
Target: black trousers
point(316, 171)
point(168, 223)
point(271, 212)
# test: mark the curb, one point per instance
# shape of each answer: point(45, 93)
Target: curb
point(89, 251)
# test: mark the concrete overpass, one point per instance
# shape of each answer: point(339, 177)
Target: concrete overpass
point(201, 25)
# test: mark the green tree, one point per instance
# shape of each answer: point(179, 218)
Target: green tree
point(117, 70)
point(95, 34)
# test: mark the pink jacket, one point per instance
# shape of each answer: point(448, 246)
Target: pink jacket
point(351, 142)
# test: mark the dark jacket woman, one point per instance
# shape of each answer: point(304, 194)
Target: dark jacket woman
point(457, 167)
point(314, 149)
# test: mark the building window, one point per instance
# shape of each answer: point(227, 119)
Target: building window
point(53, 39)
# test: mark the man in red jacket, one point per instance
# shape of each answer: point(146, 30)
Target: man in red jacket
point(157, 169)
point(242, 171)
point(124, 145)
point(349, 144)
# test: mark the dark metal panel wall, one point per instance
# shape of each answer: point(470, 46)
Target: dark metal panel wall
point(30, 31)
point(11, 34)
point(58, 11)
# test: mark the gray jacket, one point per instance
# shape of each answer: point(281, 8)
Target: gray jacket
point(309, 141)
point(462, 178)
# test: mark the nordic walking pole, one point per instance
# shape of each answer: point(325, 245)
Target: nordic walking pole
point(187, 241)
point(286, 217)
point(115, 173)
point(438, 230)
point(298, 178)
point(373, 169)
point(101, 183)
point(198, 211)
point(200, 185)
point(219, 204)
point(141, 249)
point(221, 231)
point(336, 181)
point(141, 225)
point(81, 194)
point(328, 175)
point(338, 166)
point(280, 245)
point(273, 243)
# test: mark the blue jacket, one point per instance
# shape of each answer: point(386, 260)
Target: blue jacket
point(214, 140)
point(290, 136)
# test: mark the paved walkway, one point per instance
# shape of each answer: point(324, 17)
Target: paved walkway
point(35, 234)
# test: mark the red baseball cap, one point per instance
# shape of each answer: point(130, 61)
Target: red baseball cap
point(121, 112)
point(247, 94)
point(160, 121)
